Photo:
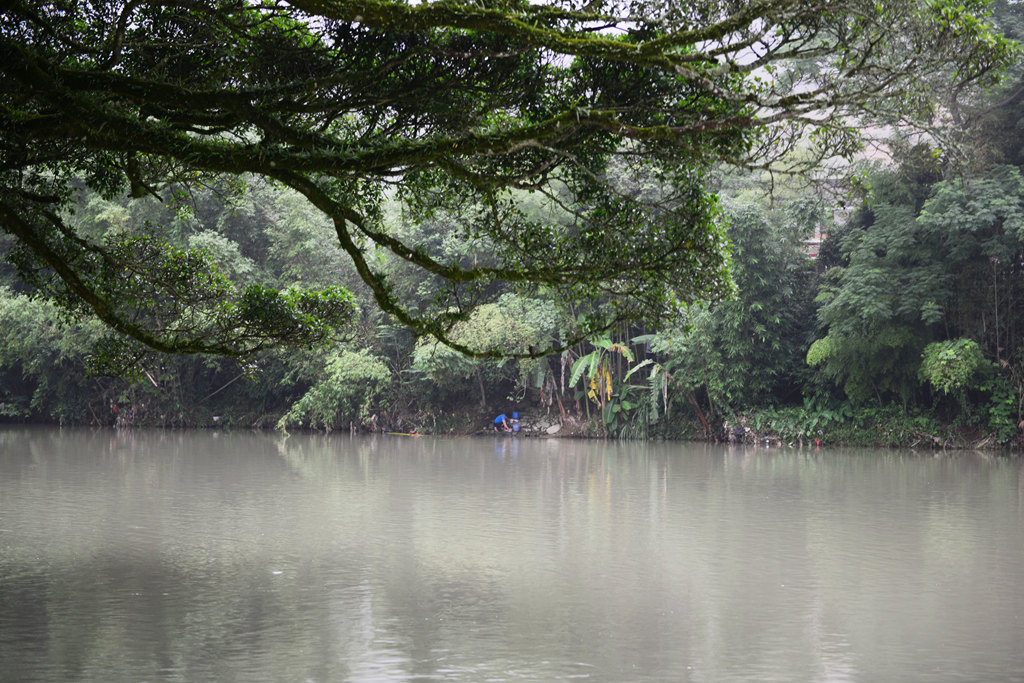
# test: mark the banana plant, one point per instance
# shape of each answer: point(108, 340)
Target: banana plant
point(596, 366)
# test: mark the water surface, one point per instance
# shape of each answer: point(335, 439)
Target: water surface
point(183, 556)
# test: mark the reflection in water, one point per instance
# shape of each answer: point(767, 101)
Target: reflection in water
point(205, 556)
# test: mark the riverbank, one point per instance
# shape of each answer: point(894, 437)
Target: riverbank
point(792, 426)
point(788, 426)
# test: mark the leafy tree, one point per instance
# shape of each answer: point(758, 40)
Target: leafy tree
point(344, 395)
point(513, 323)
point(949, 366)
point(225, 255)
point(42, 363)
point(879, 313)
point(989, 125)
point(445, 104)
point(749, 350)
point(979, 223)
point(920, 273)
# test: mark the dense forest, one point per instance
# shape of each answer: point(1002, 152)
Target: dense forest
point(886, 307)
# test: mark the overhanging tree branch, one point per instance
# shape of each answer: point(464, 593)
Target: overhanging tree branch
point(454, 104)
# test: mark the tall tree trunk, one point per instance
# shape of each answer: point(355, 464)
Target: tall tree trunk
point(483, 394)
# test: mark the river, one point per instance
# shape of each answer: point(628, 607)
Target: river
point(188, 556)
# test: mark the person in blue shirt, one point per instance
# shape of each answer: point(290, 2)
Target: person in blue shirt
point(501, 424)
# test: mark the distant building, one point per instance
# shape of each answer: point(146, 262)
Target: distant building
point(813, 244)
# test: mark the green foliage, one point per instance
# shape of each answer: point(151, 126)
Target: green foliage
point(225, 255)
point(601, 387)
point(344, 394)
point(820, 351)
point(514, 184)
point(948, 271)
point(750, 350)
point(951, 365)
point(1005, 409)
point(141, 100)
point(843, 425)
point(873, 368)
point(879, 310)
point(43, 362)
point(514, 323)
point(805, 423)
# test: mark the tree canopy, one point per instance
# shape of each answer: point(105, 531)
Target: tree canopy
point(454, 107)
